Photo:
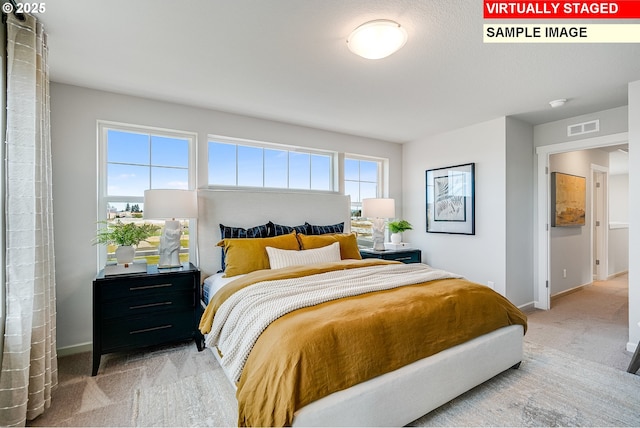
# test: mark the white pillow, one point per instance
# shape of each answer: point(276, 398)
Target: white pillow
point(283, 258)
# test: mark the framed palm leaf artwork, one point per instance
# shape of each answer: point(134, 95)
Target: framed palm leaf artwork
point(450, 199)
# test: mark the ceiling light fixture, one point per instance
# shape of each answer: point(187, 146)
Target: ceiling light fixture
point(377, 39)
point(557, 103)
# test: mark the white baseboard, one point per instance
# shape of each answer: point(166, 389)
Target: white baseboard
point(569, 291)
point(631, 347)
point(75, 349)
point(527, 307)
point(615, 275)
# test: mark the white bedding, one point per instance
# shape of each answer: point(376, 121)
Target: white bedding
point(214, 283)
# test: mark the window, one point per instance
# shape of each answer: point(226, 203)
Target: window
point(240, 163)
point(133, 159)
point(362, 180)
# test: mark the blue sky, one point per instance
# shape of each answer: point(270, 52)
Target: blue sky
point(137, 162)
point(151, 162)
point(266, 167)
point(361, 179)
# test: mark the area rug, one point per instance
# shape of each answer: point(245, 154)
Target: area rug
point(551, 388)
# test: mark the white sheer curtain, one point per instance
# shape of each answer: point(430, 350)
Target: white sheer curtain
point(29, 363)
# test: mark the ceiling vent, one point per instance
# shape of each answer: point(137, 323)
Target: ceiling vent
point(583, 128)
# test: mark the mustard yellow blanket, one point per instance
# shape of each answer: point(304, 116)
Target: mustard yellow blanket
point(312, 352)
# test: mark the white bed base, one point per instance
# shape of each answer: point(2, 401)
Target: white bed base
point(399, 397)
point(402, 396)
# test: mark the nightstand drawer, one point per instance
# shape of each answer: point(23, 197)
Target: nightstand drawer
point(143, 331)
point(404, 256)
point(147, 304)
point(136, 289)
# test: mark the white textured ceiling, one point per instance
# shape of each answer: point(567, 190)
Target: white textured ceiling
point(287, 60)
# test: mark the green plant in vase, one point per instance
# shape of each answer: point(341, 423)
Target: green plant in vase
point(126, 236)
point(396, 228)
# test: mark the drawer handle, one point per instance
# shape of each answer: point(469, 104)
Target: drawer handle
point(150, 305)
point(146, 287)
point(145, 330)
point(403, 258)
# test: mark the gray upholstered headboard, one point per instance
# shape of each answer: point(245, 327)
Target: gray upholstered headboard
point(240, 208)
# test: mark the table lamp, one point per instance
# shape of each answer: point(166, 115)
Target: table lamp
point(170, 204)
point(378, 209)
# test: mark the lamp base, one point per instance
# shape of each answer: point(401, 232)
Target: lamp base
point(377, 231)
point(180, 266)
point(169, 248)
point(172, 263)
point(379, 246)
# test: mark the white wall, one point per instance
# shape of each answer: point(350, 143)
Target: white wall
point(519, 211)
point(74, 112)
point(619, 198)
point(480, 257)
point(618, 224)
point(634, 213)
point(612, 121)
point(501, 251)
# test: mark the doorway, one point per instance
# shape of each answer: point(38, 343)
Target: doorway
point(543, 230)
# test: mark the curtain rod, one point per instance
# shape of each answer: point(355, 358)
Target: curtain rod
point(10, 6)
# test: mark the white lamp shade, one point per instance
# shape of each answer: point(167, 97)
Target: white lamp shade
point(170, 203)
point(377, 39)
point(379, 208)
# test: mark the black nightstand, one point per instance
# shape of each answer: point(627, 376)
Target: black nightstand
point(404, 256)
point(132, 311)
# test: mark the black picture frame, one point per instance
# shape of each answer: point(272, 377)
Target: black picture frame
point(450, 206)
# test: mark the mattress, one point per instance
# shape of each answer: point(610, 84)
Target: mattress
point(214, 283)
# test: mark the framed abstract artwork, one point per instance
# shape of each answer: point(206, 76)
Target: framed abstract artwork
point(568, 200)
point(450, 199)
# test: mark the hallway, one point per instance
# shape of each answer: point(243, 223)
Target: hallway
point(592, 323)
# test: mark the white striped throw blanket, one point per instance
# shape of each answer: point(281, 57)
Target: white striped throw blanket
point(247, 313)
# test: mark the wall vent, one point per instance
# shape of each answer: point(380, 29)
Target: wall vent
point(583, 128)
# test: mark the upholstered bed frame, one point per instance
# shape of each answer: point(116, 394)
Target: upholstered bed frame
point(241, 208)
point(396, 398)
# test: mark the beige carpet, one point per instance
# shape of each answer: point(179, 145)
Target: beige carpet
point(551, 388)
point(592, 323)
point(107, 399)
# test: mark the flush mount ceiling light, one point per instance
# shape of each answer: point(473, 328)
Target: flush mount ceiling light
point(557, 103)
point(377, 39)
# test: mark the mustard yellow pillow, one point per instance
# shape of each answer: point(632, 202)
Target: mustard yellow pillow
point(244, 255)
point(348, 243)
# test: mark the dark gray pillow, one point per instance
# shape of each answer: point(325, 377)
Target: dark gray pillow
point(279, 229)
point(260, 231)
point(321, 230)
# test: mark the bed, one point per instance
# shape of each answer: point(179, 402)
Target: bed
point(388, 383)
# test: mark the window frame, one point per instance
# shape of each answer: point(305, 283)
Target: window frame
point(382, 191)
point(333, 167)
point(103, 199)
point(382, 182)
